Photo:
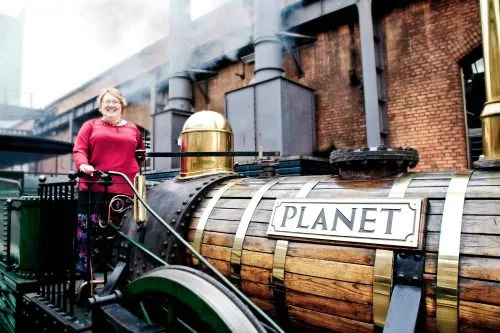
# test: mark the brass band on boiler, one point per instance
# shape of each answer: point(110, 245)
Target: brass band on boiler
point(384, 259)
point(239, 237)
point(449, 253)
point(200, 228)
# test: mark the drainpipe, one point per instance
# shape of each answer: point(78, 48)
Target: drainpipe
point(268, 51)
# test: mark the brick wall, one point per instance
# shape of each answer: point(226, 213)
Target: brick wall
point(424, 43)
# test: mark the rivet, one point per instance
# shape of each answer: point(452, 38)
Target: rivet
point(165, 243)
point(418, 257)
point(198, 188)
point(402, 255)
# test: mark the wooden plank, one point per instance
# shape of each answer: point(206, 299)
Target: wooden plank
point(261, 290)
point(350, 310)
point(264, 304)
point(216, 252)
point(330, 270)
point(359, 184)
point(484, 316)
point(471, 207)
point(255, 274)
point(257, 229)
point(348, 193)
point(429, 183)
point(233, 214)
point(222, 266)
point(259, 244)
point(329, 322)
point(257, 259)
point(469, 267)
point(346, 291)
point(471, 244)
point(331, 252)
point(220, 239)
point(471, 224)
point(479, 291)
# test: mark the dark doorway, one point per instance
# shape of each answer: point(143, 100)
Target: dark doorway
point(475, 97)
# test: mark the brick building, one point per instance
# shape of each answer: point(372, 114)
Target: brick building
point(427, 62)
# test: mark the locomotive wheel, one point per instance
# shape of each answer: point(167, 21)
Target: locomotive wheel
point(183, 299)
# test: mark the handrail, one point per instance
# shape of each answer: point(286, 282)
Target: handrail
point(12, 181)
point(196, 253)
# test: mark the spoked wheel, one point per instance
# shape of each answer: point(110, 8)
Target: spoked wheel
point(183, 299)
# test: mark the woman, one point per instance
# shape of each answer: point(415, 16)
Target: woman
point(107, 143)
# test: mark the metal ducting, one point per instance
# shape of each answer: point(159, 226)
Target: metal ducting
point(268, 50)
point(167, 124)
point(273, 112)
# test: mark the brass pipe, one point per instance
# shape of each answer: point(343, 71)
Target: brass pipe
point(490, 117)
point(140, 213)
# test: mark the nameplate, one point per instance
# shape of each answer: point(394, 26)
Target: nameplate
point(389, 222)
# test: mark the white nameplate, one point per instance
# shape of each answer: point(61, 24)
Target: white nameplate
point(389, 222)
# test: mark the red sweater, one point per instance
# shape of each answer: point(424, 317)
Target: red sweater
point(108, 148)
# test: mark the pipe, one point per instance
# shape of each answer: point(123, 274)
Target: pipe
point(268, 51)
point(180, 86)
point(490, 117)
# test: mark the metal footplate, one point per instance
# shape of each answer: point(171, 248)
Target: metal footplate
point(407, 294)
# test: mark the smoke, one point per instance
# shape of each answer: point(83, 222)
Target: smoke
point(116, 23)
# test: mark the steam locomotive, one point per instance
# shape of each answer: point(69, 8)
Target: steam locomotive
point(366, 247)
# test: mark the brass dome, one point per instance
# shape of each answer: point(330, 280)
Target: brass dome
point(207, 121)
point(206, 131)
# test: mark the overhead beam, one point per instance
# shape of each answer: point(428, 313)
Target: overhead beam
point(12, 112)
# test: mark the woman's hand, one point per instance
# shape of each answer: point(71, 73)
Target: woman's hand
point(87, 169)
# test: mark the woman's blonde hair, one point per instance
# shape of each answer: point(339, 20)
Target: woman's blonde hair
point(115, 93)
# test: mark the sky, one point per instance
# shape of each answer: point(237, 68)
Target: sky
point(68, 42)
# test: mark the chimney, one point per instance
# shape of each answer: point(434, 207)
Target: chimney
point(268, 50)
point(490, 117)
point(168, 123)
point(273, 112)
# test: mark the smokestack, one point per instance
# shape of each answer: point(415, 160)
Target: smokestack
point(268, 51)
point(180, 87)
point(490, 117)
point(167, 124)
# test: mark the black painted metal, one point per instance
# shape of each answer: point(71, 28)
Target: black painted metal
point(113, 318)
point(213, 153)
point(378, 161)
point(174, 200)
point(113, 279)
point(404, 309)
point(406, 299)
point(57, 259)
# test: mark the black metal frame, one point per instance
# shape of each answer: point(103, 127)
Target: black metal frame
point(405, 308)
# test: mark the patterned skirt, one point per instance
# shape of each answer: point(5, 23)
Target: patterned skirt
point(92, 229)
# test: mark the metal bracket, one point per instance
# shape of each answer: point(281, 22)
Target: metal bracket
point(406, 299)
point(295, 55)
point(113, 279)
point(191, 72)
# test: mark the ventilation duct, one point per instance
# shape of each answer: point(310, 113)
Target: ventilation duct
point(273, 112)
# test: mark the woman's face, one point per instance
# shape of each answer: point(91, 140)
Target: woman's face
point(110, 106)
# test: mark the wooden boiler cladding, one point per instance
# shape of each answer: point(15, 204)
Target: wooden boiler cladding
point(329, 286)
